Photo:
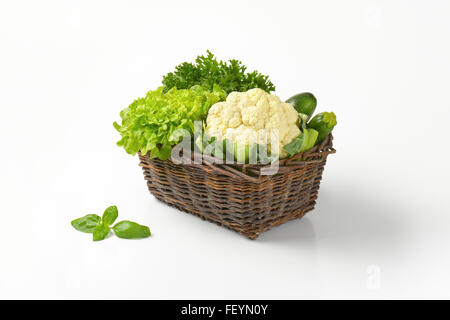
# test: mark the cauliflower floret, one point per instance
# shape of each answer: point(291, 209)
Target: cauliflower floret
point(252, 117)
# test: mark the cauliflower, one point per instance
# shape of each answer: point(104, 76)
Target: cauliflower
point(248, 118)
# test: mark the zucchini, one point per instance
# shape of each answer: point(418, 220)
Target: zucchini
point(305, 103)
point(324, 123)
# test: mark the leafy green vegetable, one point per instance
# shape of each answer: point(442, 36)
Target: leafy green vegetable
point(87, 223)
point(131, 230)
point(303, 142)
point(311, 139)
point(148, 123)
point(110, 215)
point(205, 144)
point(207, 72)
point(242, 152)
point(230, 150)
point(100, 228)
point(294, 147)
point(254, 153)
point(100, 232)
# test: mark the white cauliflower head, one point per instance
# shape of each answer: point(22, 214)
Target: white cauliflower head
point(250, 117)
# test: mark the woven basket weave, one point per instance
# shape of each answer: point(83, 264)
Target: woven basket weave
point(238, 196)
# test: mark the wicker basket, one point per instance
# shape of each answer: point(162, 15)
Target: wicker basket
point(238, 196)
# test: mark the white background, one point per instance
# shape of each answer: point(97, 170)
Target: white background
point(381, 227)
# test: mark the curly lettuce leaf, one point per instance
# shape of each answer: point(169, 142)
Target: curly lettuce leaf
point(148, 123)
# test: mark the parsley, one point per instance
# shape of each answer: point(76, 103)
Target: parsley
point(207, 71)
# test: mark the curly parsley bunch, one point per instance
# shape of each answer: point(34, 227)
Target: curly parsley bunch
point(207, 72)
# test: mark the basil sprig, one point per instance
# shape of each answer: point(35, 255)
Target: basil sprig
point(101, 227)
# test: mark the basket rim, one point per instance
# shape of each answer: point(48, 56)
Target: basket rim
point(325, 147)
point(252, 172)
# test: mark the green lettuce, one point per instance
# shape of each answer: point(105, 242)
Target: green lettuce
point(148, 123)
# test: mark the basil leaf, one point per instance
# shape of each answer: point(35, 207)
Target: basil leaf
point(131, 230)
point(100, 232)
point(87, 223)
point(110, 215)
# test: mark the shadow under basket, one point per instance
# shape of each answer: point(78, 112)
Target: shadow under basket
point(237, 196)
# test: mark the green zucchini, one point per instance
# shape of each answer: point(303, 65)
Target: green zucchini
point(324, 123)
point(305, 103)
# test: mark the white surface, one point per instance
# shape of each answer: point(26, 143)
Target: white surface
point(381, 225)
